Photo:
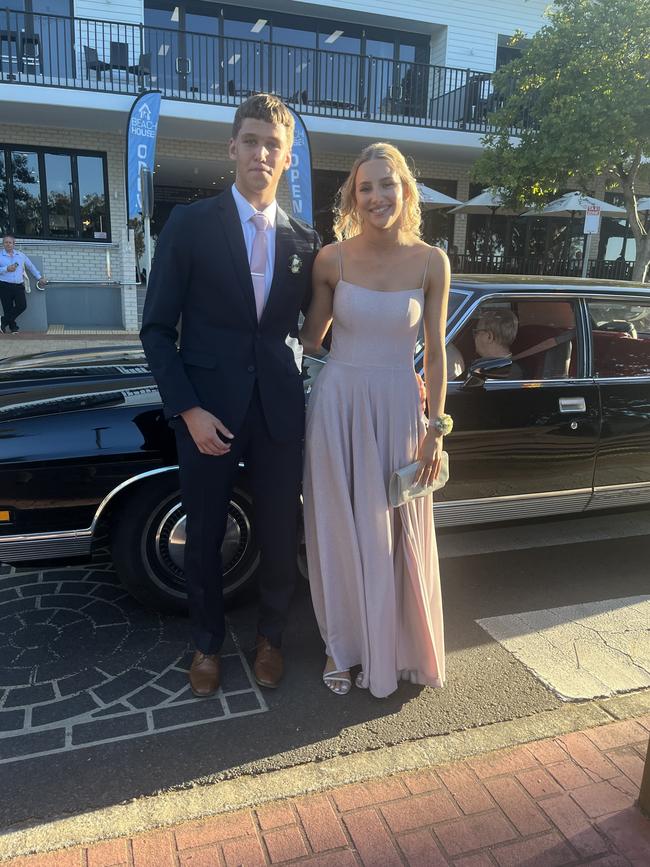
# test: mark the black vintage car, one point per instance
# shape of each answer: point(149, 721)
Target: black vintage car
point(561, 424)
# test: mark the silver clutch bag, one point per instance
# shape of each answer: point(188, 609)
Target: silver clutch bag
point(402, 487)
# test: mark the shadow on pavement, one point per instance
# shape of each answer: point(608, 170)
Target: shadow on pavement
point(98, 712)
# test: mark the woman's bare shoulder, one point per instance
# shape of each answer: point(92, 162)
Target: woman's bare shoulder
point(328, 253)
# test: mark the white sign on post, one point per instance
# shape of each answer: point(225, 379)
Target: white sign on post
point(592, 220)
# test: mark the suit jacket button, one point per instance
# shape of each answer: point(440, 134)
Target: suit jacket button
point(251, 368)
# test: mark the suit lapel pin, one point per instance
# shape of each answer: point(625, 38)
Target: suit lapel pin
point(295, 264)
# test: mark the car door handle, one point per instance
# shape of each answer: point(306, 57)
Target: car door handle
point(573, 404)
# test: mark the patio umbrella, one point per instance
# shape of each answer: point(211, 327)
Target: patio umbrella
point(487, 202)
point(574, 203)
point(431, 199)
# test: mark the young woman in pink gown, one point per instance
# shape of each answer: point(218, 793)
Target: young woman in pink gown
point(373, 569)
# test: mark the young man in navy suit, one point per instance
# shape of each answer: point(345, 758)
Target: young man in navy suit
point(237, 270)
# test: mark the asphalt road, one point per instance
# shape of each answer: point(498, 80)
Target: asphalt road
point(484, 573)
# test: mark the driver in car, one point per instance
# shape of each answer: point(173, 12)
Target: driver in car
point(494, 334)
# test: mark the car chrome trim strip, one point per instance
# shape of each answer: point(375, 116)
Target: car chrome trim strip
point(509, 508)
point(42, 546)
point(613, 380)
point(620, 496)
point(125, 484)
point(64, 543)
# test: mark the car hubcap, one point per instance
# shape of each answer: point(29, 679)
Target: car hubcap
point(171, 537)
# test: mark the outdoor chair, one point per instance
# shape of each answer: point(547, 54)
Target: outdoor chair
point(238, 91)
point(119, 57)
point(142, 68)
point(8, 53)
point(30, 53)
point(93, 63)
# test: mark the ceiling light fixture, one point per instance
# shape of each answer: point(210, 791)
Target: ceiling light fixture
point(334, 36)
point(175, 14)
point(163, 51)
point(260, 24)
point(234, 58)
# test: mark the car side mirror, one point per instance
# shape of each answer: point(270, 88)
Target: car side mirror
point(483, 368)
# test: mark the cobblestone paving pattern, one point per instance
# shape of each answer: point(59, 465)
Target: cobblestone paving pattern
point(82, 663)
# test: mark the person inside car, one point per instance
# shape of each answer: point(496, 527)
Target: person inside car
point(494, 334)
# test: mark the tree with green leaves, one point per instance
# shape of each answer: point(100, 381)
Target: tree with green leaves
point(575, 106)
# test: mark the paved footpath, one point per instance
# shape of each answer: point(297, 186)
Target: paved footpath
point(568, 801)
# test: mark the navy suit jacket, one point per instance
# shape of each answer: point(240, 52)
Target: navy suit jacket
point(201, 276)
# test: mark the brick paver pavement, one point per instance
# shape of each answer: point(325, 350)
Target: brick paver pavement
point(568, 801)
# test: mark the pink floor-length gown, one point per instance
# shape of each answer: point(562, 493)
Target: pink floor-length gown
point(373, 570)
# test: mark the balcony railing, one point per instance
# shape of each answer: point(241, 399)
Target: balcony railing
point(105, 56)
point(545, 266)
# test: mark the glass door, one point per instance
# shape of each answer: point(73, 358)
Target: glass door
point(183, 40)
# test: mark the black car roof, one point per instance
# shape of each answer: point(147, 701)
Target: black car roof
point(489, 283)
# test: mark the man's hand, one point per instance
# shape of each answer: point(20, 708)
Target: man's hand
point(12, 267)
point(203, 428)
point(42, 283)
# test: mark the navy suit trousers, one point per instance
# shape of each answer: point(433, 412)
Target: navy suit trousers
point(274, 471)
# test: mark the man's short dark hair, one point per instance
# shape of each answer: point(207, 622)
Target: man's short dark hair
point(9, 235)
point(266, 107)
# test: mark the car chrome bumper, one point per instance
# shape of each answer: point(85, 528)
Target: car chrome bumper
point(43, 546)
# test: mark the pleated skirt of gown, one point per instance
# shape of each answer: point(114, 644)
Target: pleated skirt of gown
point(373, 570)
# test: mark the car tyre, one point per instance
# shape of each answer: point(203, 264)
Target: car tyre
point(147, 537)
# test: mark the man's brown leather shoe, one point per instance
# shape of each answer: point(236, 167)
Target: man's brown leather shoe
point(268, 667)
point(204, 674)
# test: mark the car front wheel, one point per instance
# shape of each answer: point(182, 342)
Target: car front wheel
point(148, 545)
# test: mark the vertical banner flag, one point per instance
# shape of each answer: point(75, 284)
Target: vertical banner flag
point(300, 184)
point(141, 132)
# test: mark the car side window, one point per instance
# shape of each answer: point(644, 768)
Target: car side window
point(620, 335)
point(539, 336)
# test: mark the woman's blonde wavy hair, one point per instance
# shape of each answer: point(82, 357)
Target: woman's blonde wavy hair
point(347, 222)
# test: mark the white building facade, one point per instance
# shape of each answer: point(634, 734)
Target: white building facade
point(416, 74)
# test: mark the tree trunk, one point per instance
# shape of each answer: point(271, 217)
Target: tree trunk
point(640, 271)
point(641, 237)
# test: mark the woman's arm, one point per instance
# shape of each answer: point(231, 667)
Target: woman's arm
point(319, 316)
point(435, 362)
point(435, 325)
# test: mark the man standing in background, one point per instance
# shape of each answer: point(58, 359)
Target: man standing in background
point(12, 287)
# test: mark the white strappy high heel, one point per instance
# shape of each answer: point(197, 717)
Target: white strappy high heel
point(338, 682)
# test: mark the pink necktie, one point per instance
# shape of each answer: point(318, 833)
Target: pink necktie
point(258, 261)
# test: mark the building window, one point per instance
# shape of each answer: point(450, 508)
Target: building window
point(507, 50)
point(54, 194)
point(26, 186)
point(92, 198)
point(60, 217)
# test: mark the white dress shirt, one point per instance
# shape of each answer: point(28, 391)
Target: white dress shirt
point(246, 211)
point(18, 275)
